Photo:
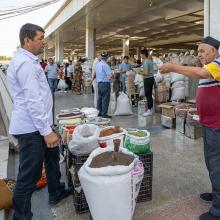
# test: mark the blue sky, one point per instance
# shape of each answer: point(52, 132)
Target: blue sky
point(9, 28)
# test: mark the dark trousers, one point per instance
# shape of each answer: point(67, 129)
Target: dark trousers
point(211, 139)
point(104, 90)
point(68, 82)
point(148, 89)
point(32, 152)
point(52, 84)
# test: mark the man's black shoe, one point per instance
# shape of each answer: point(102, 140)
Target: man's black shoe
point(208, 216)
point(63, 195)
point(206, 197)
point(106, 116)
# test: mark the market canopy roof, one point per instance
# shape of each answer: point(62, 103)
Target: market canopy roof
point(149, 23)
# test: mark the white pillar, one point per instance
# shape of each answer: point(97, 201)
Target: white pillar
point(58, 47)
point(214, 19)
point(138, 52)
point(45, 53)
point(206, 18)
point(90, 43)
point(125, 47)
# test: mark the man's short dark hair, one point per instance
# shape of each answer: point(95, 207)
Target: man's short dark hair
point(145, 52)
point(29, 30)
point(126, 57)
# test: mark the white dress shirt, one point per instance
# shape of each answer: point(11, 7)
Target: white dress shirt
point(70, 70)
point(32, 99)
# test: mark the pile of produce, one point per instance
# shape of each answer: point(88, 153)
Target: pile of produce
point(110, 131)
point(138, 133)
point(107, 159)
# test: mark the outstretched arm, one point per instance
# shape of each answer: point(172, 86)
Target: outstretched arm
point(194, 72)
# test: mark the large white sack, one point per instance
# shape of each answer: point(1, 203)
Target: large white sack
point(123, 105)
point(178, 93)
point(84, 139)
point(187, 88)
point(90, 112)
point(178, 84)
point(107, 141)
point(176, 77)
point(158, 78)
point(141, 93)
point(167, 80)
point(111, 191)
point(95, 87)
point(137, 70)
point(62, 85)
point(138, 79)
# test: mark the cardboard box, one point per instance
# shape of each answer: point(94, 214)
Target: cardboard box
point(182, 109)
point(180, 124)
point(168, 122)
point(168, 109)
point(193, 132)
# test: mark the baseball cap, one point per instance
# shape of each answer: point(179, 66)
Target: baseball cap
point(104, 54)
point(211, 41)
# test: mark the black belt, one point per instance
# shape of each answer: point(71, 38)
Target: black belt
point(103, 82)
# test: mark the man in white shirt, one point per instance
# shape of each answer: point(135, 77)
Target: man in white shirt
point(70, 70)
point(94, 83)
point(31, 122)
point(51, 70)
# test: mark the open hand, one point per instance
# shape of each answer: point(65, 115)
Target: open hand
point(166, 68)
point(52, 140)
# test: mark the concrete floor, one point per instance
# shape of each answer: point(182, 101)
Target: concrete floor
point(179, 173)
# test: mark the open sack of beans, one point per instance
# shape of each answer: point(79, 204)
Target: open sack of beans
point(84, 139)
point(111, 181)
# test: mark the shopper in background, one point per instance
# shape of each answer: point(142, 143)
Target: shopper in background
point(59, 73)
point(116, 80)
point(69, 76)
point(94, 82)
point(103, 75)
point(123, 68)
point(138, 63)
point(148, 71)
point(51, 70)
point(78, 78)
point(43, 63)
point(65, 73)
point(31, 122)
point(208, 107)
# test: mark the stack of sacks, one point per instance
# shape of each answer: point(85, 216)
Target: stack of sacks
point(161, 94)
point(138, 81)
point(130, 85)
point(157, 62)
point(178, 86)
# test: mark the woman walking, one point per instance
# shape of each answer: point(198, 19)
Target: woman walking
point(148, 70)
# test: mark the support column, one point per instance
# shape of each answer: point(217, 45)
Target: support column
point(206, 18)
point(214, 18)
point(125, 47)
point(90, 43)
point(45, 56)
point(138, 53)
point(58, 47)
